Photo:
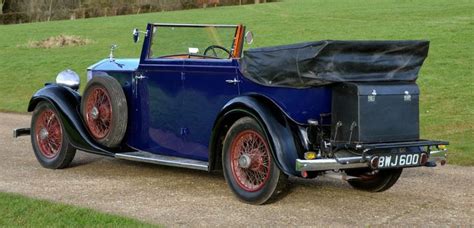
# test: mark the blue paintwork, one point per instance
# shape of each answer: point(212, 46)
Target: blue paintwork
point(298, 104)
point(172, 111)
point(116, 65)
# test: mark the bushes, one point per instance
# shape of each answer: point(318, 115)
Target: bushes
point(23, 11)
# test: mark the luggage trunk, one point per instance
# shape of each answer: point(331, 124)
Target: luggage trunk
point(375, 112)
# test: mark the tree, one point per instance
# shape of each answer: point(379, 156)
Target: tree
point(2, 3)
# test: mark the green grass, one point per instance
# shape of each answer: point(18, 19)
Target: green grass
point(21, 211)
point(446, 79)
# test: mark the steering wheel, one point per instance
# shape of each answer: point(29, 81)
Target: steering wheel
point(213, 47)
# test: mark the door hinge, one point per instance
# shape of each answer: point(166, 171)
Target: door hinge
point(140, 76)
point(232, 81)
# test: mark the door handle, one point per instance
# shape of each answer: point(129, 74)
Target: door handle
point(232, 81)
point(136, 78)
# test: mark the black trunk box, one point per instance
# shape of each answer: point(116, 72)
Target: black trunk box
point(375, 112)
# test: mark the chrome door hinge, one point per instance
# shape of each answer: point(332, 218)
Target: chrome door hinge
point(140, 76)
point(232, 81)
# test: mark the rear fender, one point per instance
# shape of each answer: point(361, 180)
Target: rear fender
point(67, 103)
point(271, 119)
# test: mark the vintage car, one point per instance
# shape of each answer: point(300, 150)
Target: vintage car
point(195, 99)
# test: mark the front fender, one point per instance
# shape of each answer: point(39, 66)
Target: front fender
point(272, 120)
point(67, 103)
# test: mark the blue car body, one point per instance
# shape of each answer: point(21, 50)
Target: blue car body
point(174, 109)
point(180, 107)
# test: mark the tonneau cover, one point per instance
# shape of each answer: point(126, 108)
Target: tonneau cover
point(325, 62)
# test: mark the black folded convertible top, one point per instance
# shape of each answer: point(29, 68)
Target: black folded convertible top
point(324, 62)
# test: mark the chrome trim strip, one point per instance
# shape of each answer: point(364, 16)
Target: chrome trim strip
point(142, 156)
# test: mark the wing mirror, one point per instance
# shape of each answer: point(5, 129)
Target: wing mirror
point(249, 37)
point(136, 35)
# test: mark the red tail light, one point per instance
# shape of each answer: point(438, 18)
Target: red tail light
point(304, 174)
point(424, 158)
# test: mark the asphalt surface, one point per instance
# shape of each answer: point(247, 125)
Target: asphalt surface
point(181, 197)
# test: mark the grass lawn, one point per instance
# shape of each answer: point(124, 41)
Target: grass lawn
point(446, 79)
point(21, 211)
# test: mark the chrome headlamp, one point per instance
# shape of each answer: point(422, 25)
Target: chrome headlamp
point(69, 78)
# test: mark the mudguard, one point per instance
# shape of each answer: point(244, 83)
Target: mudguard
point(67, 103)
point(273, 121)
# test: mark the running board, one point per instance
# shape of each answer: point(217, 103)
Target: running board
point(142, 156)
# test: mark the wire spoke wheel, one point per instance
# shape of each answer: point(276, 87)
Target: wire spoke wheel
point(99, 112)
point(250, 160)
point(48, 132)
point(249, 167)
point(105, 111)
point(50, 143)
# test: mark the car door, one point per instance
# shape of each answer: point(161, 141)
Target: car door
point(156, 116)
point(208, 84)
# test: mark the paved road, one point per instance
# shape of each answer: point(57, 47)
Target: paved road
point(180, 197)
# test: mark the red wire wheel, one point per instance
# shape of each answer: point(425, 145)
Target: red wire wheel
point(104, 109)
point(48, 133)
point(50, 143)
point(250, 160)
point(248, 163)
point(98, 112)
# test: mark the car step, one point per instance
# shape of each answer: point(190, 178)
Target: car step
point(143, 156)
point(17, 132)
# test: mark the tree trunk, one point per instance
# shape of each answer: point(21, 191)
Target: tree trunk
point(50, 9)
point(2, 3)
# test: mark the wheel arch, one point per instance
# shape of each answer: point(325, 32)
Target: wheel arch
point(66, 102)
point(270, 117)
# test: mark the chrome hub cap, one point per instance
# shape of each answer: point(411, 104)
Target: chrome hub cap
point(244, 161)
point(43, 134)
point(94, 113)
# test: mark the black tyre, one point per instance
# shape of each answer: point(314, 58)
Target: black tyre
point(49, 139)
point(105, 111)
point(374, 181)
point(249, 167)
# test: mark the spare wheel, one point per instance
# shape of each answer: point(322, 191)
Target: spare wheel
point(104, 109)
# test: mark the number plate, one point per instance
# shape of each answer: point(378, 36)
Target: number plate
point(399, 160)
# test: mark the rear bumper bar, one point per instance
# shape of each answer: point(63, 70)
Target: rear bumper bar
point(438, 156)
point(17, 132)
point(331, 164)
point(435, 156)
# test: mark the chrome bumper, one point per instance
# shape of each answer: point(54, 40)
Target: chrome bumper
point(436, 156)
point(17, 132)
point(331, 164)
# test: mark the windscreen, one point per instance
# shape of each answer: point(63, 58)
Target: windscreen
point(214, 42)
